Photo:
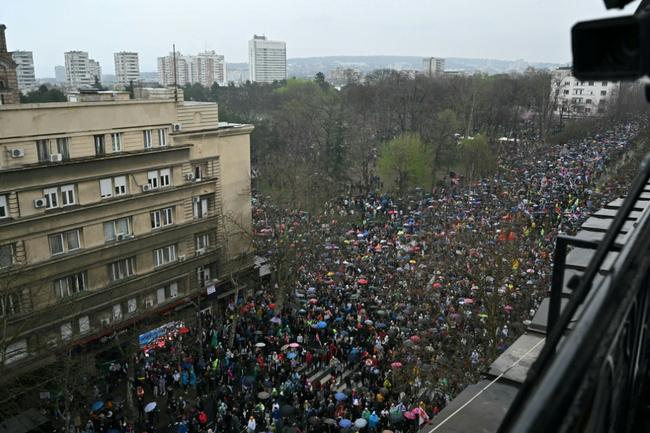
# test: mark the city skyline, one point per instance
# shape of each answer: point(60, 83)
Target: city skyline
point(533, 31)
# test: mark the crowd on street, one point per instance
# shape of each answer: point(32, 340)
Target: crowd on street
point(381, 309)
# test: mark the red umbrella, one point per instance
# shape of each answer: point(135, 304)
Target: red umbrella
point(415, 338)
point(272, 306)
point(396, 364)
point(363, 281)
point(203, 417)
point(184, 330)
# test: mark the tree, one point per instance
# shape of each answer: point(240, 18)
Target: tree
point(43, 94)
point(477, 158)
point(402, 162)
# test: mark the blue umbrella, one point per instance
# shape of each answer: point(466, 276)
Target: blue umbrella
point(98, 405)
point(339, 396)
point(321, 325)
point(345, 423)
point(380, 325)
point(338, 319)
point(291, 355)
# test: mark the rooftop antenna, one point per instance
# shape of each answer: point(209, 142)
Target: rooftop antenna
point(175, 80)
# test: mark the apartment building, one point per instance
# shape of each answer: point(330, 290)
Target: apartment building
point(80, 70)
point(113, 211)
point(168, 75)
point(208, 68)
point(267, 60)
point(575, 98)
point(127, 68)
point(24, 70)
point(433, 66)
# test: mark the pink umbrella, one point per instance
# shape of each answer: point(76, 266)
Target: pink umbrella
point(437, 285)
point(363, 281)
point(469, 301)
point(508, 308)
point(294, 345)
point(396, 364)
point(415, 338)
point(410, 415)
point(313, 301)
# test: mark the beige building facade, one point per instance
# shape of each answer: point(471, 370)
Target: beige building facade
point(113, 211)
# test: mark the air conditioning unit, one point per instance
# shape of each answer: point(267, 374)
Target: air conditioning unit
point(181, 258)
point(200, 251)
point(120, 237)
point(189, 176)
point(146, 188)
point(56, 157)
point(40, 202)
point(176, 127)
point(16, 153)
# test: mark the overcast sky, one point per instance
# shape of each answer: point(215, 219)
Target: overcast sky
point(534, 30)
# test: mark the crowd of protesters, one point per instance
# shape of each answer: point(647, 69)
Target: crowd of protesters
point(384, 307)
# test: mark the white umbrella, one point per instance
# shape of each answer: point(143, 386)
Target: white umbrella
point(149, 407)
point(260, 345)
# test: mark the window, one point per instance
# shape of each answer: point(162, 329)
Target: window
point(200, 207)
point(119, 227)
point(66, 331)
point(4, 208)
point(149, 301)
point(160, 295)
point(100, 149)
point(15, 352)
point(203, 275)
point(43, 150)
point(131, 305)
point(84, 325)
point(173, 290)
point(116, 141)
point(152, 178)
point(162, 217)
point(70, 285)
point(604, 83)
point(202, 241)
point(117, 312)
point(603, 93)
point(63, 147)
point(198, 172)
point(64, 242)
point(115, 186)
point(67, 195)
point(588, 101)
point(121, 269)
point(165, 177)
point(52, 196)
point(10, 304)
point(566, 92)
point(164, 255)
point(162, 137)
point(7, 255)
point(591, 83)
point(147, 139)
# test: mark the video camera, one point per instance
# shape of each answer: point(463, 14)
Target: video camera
point(614, 48)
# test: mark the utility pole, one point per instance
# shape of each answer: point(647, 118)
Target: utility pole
point(175, 78)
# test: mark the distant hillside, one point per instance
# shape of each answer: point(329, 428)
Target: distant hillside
point(308, 66)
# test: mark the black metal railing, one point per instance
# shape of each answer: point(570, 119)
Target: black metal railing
point(593, 378)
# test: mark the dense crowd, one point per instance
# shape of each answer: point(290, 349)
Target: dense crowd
point(394, 304)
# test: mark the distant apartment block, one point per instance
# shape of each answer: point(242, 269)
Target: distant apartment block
point(575, 98)
point(167, 76)
point(59, 73)
point(114, 211)
point(9, 92)
point(267, 60)
point(208, 68)
point(433, 66)
point(80, 70)
point(127, 68)
point(24, 70)
point(341, 76)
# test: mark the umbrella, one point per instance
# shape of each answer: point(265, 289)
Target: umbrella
point(313, 301)
point(98, 405)
point(321, 325)
point(291, 355)
point(287, 410)
point(312, 289)
point(276, 319)
point(369, 322)
point(508, 308)
point(483, 315)
point(396, 364)
point(184, 330)
point(150, 406)
point(285, 347)
point(363, 281)
point(345, 423)
point(437, 285)
point(248, 380)
point(339, 396)
point(263, 395)
point(203, 417)
point(329, 421)
point(415, 338)
point(387, 431)
point(260, 345)
point(294, 345)
point(360, 423)
point(410, 415)
point(469, 301)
